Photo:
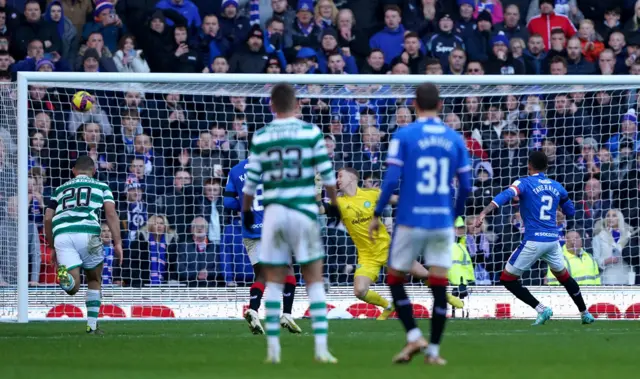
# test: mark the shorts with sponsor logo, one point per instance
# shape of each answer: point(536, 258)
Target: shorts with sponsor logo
point(252, 245)
point(288, 234)
point(79, 250)
point(529, 252)
point(409, 243)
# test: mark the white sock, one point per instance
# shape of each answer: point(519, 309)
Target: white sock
point(413, 335)
point(540, 308)
point(272, 301)
point(93, 308)
point(433, 350)
point(318, 311)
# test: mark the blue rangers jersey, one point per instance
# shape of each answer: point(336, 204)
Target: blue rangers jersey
point(539, 198)
point(427, 155)
point(233, 199)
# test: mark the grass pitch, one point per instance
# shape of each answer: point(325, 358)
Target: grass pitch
point(225, 350)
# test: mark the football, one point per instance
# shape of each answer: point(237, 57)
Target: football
point(82, 101)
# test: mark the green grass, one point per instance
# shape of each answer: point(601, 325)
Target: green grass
point(225, 349)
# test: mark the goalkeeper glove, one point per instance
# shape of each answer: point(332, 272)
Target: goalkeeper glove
point(247, 219)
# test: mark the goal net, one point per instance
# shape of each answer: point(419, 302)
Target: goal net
point(165, 144)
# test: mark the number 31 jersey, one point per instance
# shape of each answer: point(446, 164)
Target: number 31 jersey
point(431, 155)
point(77, 204)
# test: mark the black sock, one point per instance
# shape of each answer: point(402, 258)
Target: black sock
point(573, 289)
point(287, 297)
point(404, 310)
point(516, 288)
point(255, 295)
point(439, 315)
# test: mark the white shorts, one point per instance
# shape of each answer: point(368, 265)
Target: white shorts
point(79, 250)
point(529, 252)
point(252, 246)
point(287, 233)
point(407, 244)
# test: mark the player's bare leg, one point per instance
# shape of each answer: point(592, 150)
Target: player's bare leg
point(255, 297)
point(286, 320)
point(312, 274)
point(415, 341)
point(93, 301)
point(511, 282)
point(420, 272)
point(573, 289)
point(438, 283)
point(273, 296)
point(361, 285)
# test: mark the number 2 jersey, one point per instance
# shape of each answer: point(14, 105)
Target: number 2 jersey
point(539, 198)
point(77, 204)
point(233, 199)
point(430, 155)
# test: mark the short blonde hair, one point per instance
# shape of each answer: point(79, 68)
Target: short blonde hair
point(334, 10)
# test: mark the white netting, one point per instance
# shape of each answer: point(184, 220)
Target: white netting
point(166, 150)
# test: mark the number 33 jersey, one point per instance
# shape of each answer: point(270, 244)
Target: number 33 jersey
point(77, 205)
point(431, 155)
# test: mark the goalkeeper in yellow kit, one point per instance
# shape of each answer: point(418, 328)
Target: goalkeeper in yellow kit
point(356, 206)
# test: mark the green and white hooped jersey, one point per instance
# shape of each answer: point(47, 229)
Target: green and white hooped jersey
point(78, 203)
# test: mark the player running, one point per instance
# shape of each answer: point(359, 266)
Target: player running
point(426, 155)
point(72, 227)
point(356, 207)
point(251, 238)
point(285, 155)
point(539, 198)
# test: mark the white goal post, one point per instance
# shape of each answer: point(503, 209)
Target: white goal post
point(19, 302)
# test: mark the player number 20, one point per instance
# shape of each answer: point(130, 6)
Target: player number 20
point(72, 197)
point(547, 203)
point(435, 176)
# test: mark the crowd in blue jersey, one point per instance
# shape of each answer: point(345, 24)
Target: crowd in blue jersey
point(169, 156)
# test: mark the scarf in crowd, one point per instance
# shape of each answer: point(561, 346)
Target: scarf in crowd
point(488, 6)
point(107, 268)
point(615, 233)
point(373, 156)
point(158, 258)
point(136, 218)
point(475, 245)
point(35, 213)
point(539, 132)
point(306, 31)
point(254, 12)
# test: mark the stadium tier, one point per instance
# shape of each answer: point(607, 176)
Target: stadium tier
point(165, 144)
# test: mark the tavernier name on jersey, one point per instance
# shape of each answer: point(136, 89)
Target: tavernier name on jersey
point(77, 205)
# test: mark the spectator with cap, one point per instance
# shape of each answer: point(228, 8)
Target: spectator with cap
point(157, 40)
point(547, 21)
point(568, 8)
point(250, 58)
point(512, 27)
point(35, 53)
point(576, 62)
point(442, 43)
point(274, 66)
point(466, 22)
point(501, 61)
point(107, 23)
point(66, 30)
point(329, 46)
point(478, 43)
point(305, 62)
point(628, 130)
point(185, 8)
point(611, 22)
point(535, 56)
point(494, 7)
point(233, 25)
point(304, 32)
point(391, 38)
point(34, 27)
point(93, 62)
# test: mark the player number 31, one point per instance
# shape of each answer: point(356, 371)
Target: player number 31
point(435, 176)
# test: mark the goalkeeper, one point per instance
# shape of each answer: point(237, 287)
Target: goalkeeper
point(251, 239)
point(356, 206)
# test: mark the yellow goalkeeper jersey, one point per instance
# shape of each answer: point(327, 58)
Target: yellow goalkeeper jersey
point(357, 212)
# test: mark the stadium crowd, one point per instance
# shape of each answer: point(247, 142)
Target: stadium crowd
point(166, 154)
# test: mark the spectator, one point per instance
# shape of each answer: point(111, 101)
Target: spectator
point(512, 27)
point(211, 158)
point(558, 66)
point(591, 47)
point(494, 7)
point(567, 8)
point(153, 164)
point(492, 126)
point(212, 209)
point(577, 64)
point(99, 52)
point(273, 66)
point(628, 131)
point(186, 59)
point(220, 65)
point(517, 47)
point(34, 27)
point(107, 23)
point(441, 44)
point(479, 248)
point(474, 147)
point(188, 10)
point(558, 45)
point(375, 63)
point(137, 175)
point(611, 22)
point(65, 28)
point(582, 266)
point(197, 257)
point(326, 14)
point(617, 45)
point(559, 166)
point(501, 62)
point(38, 153)
point(457, 62)
point(466, 22)
point(478, 43)
point(274, 40)
point(591, 208)
point(110, 272)
point(35, 54)
point(632, 26)
point(391, 38)
point(180, 202)
point(233, 26)
point(329, 46)
point(304, 32)
point(549, 20)
point(152, 257)
point(611, 244)
point(400, 68)
point(128, 58)
point(212, 42)
point(607, 63)
point(158, 39)
point(352, 37)
point(535, 56)
point(251, 58)
point(130, 128)
point(370, 158)
point(78, 11)
point(567, 123)
point(510, 159)
point(588, 163)
point(8, 258)
point(134, 212)
point(475, 68)
point(282, 10)
point(412, 55)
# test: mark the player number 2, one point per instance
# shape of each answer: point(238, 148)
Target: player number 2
point(547, 203)
point(435, 176)
point(257, 200)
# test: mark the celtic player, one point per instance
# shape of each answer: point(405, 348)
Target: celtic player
point(72, 227)
point(285, 155)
